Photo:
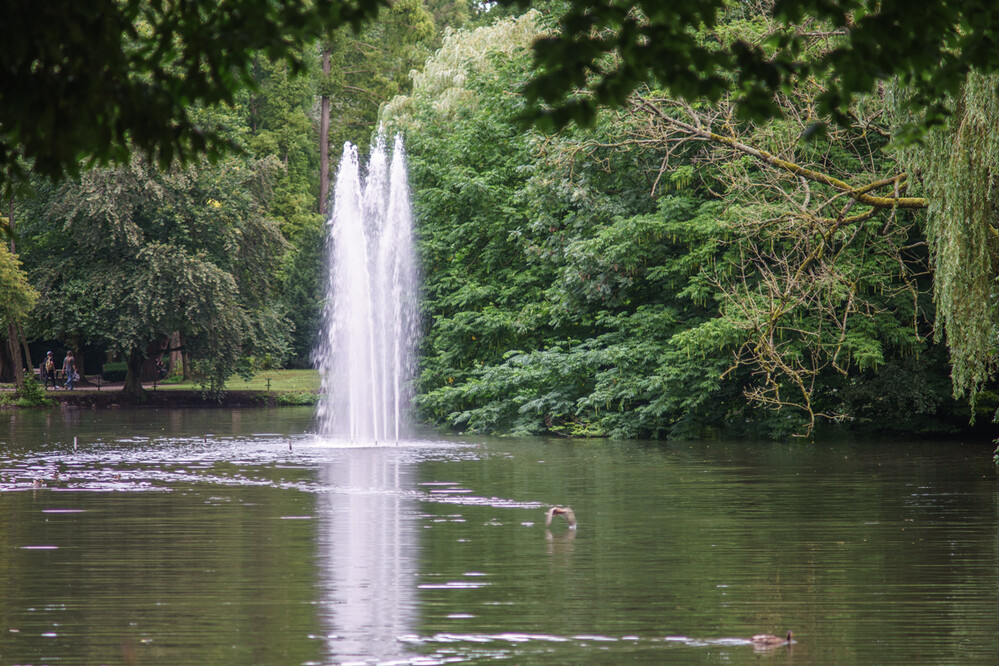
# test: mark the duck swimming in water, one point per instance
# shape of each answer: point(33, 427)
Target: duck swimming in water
point(769, 640)
point(563, 511)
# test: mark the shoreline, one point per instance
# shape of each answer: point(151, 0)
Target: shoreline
point(113, 398)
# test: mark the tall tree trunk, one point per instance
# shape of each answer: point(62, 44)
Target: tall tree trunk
point(324, 137)
point(14, 344)
point(133, 375)
point(24, 344)
point(185, 357)
point(6, 367)
point(176, 354)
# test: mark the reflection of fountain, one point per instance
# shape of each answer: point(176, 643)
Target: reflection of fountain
point(369, 551)
point(365, 356)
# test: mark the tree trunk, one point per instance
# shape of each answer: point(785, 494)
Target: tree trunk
point(133, 375)
point(324, 138)
point(185, 357)
point(176, 355)
point(24, 344)
point(10, 224)
point(14, 344)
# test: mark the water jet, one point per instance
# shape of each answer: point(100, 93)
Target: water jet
point(365, 355)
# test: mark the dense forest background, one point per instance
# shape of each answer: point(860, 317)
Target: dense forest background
point(673, 269)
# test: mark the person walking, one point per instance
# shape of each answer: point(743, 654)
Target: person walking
point(48, 370)
point(69, 369)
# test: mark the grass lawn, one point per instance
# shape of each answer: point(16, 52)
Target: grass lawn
point(292, 381)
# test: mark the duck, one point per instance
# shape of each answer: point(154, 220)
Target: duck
point(769, 640)
point(563, 511)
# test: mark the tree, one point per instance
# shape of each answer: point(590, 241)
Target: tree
point(958, 165)
point(279, 126)
point(371, 66)
point(548, 279)
point(932, 73)
point(89, 82)
point(603, 51)
point(324, 136)
point(642, 278)
point(361, 70)
point(127, 256)
point(17, 298)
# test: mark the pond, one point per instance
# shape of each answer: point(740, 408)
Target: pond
point(236, 537)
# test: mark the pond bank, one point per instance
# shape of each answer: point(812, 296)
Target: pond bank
point(113, 398)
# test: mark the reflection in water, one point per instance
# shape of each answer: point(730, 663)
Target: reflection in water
point(368, 554)
point(190, 549)
point(562, 544)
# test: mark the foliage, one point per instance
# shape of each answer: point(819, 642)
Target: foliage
point(303, 291)
point(519, 256)
point(32, 393)
point(300, 399)
point(114, 372)
point(280, 128)
point(129, 255)
point(668, 270)
point(463, 53)
point(958, 165)
point(371, 66)
point(561, 297)
point(17, 295)
point(608, 49)
point(90, 82)
point(366, 69)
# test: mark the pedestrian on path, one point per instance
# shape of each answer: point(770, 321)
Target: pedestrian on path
point(48, 371)
point(69, 369)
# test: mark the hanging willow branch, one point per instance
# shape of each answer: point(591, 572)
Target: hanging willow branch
point(959, 167)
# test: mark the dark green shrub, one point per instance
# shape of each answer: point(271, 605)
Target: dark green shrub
point(32, 394)
point(114, 372)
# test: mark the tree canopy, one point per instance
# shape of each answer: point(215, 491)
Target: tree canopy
point(672, 265)
point(87, 82)
point(631, 280)
point(84, 83)
point(603, 51)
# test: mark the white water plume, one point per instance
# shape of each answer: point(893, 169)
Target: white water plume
point(366, 351)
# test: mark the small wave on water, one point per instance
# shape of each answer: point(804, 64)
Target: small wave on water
point(164, 464)
point(456, 647)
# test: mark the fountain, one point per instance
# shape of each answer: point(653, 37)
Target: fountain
point(366, 349)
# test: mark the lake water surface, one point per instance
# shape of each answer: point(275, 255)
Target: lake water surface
point(236, 537)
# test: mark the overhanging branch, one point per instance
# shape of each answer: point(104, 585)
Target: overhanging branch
point(861, 194)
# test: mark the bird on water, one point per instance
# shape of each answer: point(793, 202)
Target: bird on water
point(769, 640)
point(563, 511)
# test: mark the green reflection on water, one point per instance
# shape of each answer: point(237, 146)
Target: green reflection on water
point(872, 554)
point(225, 537)
point(202, 575)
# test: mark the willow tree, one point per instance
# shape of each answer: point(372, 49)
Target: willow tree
point(958, 165)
